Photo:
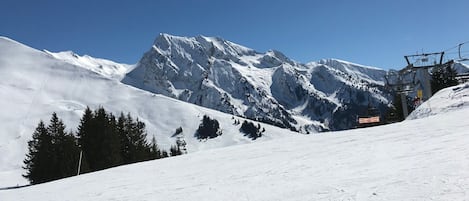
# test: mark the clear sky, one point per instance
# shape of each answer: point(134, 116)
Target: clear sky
point(374, 32)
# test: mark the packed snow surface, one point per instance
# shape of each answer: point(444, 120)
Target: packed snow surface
point(421, 159)
point(453, 98)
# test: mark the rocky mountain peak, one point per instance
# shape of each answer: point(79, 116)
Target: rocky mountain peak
point(270, 87)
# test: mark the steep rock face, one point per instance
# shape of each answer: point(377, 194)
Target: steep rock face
point(353, 87)
point(212, 73)
point(269, 87)
point(332, 95)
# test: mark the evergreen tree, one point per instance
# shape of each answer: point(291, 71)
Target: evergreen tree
point(209, 128)
point(53, 153)
point(85, 138)
point(65, 149)
point(123, 130)
point(250, 130)
point(175, 151)
point(68, 155)
point(106, 141)
point(155, 152)
point(132, 135)
point(37, 158)
point(56, 130)
point(139, 142)
point(99, 139)
point(443, 77)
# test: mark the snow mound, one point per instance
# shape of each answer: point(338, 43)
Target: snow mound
point(445, 100)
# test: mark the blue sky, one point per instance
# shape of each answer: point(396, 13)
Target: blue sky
point(375, 32)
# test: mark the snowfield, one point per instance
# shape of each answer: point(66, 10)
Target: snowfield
point(34, 84)
point(422, 159)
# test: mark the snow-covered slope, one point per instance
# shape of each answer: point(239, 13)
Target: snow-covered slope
point(104, 67)
point(222, 75)
point(34, 84)
point(452, 98)
point(422, 159)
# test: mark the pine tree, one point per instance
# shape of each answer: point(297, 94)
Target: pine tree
point(443, 77)
point(175, 151)
point(132, 136)
point(123, 131)
point(53, 153)
point(85, 139)
point(65, 149)
point(68, 155)
point(106, 139)
point(56, 130)
point(99, 139)
point(36, 162)
point(209, 128)
point(250, 130)
point(155, 152)
point(138, 140)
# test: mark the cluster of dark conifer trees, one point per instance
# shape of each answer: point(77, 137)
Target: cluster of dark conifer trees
point(442, 78)
point(105, 141)
point(208, 129)
point(251, 131)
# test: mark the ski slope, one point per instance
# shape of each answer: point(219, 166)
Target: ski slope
point(34, 84)
point(103, 67)
point(422, 159)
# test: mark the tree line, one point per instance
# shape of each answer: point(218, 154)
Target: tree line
point(103, 139)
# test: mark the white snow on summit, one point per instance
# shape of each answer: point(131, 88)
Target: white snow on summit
point(104, 67)
point(221, 75)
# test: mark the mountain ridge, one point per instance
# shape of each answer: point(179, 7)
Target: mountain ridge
point(35, 84)
point(270, 87)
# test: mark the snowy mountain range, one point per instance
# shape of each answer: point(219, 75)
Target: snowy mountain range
point(176, 83)
point(34, 84)
point(269, 87)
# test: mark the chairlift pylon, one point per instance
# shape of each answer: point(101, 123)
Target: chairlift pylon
point(461, 58)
